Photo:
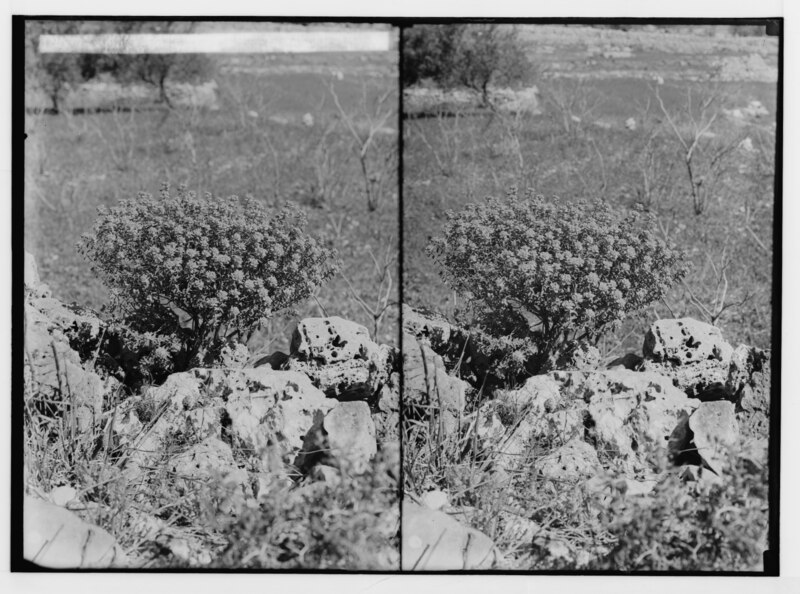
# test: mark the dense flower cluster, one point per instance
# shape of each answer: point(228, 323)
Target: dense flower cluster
point(193, 266)
point(552, 271)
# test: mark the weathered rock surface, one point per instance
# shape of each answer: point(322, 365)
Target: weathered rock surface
point(685, 341)
point(573, 460)
point(457, 347)
point(33, 285)
point(692, 353)
point(434, 541)
point(703, 365)
point(54, 371)
point(207, 461)
point(435, 499)
point(331, 340)
point(434, 330)
point(614, 410)
point(750, 380)
point(386, 412)
point(428, 389)
point(261, 412)
point(57, 538)
point(346, 437)
point(340, 358)
point(705, 437)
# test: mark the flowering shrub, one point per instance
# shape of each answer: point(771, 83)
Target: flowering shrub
point(553, 273)
point(198, 270)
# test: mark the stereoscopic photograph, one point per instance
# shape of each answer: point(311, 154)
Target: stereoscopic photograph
point(211, 298)
point(588, 305)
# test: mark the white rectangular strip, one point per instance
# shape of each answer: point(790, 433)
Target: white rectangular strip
point(220, 43)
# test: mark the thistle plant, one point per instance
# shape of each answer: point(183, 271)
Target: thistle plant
point(199, 270)
point(552, 273)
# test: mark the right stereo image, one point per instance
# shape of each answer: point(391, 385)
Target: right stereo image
point(591, 297)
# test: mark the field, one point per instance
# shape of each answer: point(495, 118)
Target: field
point(577, 145)
point(271, 128)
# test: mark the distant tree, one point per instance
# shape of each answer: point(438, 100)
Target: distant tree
point(53, 73)
point(472, 56)
point(429, 52)
point(157, 69)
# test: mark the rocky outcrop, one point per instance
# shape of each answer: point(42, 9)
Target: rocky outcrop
point(700, 362)
point(261, 413)
point(232, 435)
point(620, 413)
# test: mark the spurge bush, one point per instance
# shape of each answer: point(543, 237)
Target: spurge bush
point(552, 273)
point(201, 269)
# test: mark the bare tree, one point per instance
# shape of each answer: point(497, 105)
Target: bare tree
point(378, 159)
point(705, 158)
point(572, 101)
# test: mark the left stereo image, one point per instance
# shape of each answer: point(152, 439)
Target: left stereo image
point(210, 375)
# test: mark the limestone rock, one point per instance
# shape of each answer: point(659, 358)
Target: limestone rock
point(64, 496)
point(435, 499)
point(615, 411)
point(33, 285)
point(434, 541)
point(386, 410)
point(435, 330)
point(457, 347)
point(685, 341)
point(357, 379)
point(265, 413)
point(575, 459)
point(211, 461)
point(540, 394)
point(340, 358)
point(714, 430)
point(627, 407)
point(749, 380)
point(57, 538)
point(346, 436)
point(693, 354)
point(704, 380)
point(429, 390)
point(330, 340)
point(507, 426)
point(54, 370)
